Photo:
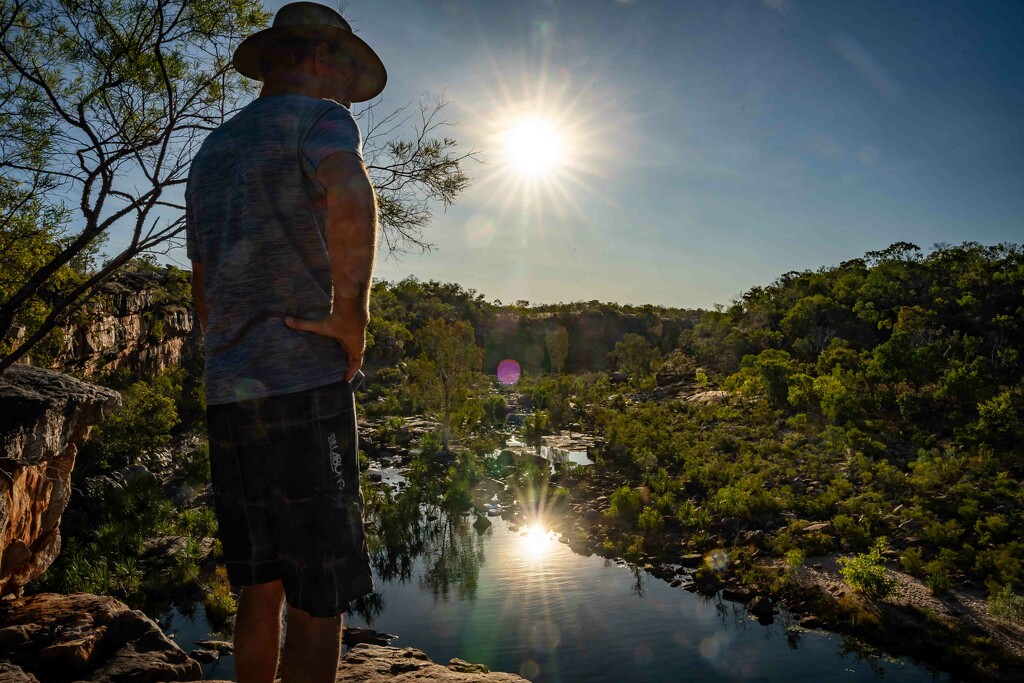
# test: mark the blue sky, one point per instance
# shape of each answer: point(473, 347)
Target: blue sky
point(711, 145)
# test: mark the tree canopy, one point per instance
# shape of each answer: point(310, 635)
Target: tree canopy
point(104, 103)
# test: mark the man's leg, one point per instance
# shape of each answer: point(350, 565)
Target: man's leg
point(258, 632)
point(312, 646)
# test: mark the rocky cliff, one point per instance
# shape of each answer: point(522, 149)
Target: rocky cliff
point(60, 638)
point(141, 321)
point(45, 417)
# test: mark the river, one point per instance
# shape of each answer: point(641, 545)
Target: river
point(518, 600)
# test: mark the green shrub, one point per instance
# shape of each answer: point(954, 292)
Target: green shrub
point(625, 505)
point(650, 520)
point(430, 444)
point(220, 604)
point(866, 573)
point(1003, 602)
point(911, 562)
point(196, 465)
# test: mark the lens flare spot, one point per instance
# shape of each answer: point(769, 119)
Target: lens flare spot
point(509, 372)
point(717, 559)
point(545, 635)
point(248, 388)
point(529, 669)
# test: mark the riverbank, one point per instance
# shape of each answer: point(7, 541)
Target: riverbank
point(953, 632)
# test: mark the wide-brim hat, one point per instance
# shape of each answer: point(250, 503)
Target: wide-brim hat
point(313, 21)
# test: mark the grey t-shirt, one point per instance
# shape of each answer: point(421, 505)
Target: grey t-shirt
point(256, 217)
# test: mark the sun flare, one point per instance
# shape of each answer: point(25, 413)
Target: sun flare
point(534, 146)
point(537, 540)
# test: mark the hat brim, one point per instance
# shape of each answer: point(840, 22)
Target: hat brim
point(371, 76)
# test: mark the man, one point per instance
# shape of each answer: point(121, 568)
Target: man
point(281, 230)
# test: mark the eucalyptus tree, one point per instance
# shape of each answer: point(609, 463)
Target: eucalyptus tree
point(103, 104)
point(557, 344)
point(443, 376)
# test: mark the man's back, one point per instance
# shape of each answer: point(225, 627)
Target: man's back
point(256, 220)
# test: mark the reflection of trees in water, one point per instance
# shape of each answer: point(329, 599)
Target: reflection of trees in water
point(368, 606)
point(453, 557)
point(414, 524)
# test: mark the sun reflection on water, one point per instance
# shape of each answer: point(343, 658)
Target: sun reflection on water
point(536, 540)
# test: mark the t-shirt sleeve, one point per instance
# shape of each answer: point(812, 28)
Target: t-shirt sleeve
point(335, 130)
point(192, 249)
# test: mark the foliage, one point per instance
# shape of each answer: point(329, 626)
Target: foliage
point(150, 412)
point(634, 355)
point(867, 573)
point(444, 373)
point(98, 95)
point(217, 598)
point(1003, 602)
point(105, 536)
point(557, 344)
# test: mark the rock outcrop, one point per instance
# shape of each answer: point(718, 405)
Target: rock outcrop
point(44, 416)
point(371, 663)
point(140, 320)
point(61, 638)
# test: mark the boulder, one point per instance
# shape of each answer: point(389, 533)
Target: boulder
point(46, 416)
point(761, 607)
point(354, 635)
point(63, 638)
point(374, 663)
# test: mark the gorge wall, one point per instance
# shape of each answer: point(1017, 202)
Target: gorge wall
point(46, 416)
point(141, 322)
point(593, 333)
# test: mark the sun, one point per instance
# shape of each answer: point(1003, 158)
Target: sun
point(534, 146)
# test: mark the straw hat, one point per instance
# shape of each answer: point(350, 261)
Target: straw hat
point(314, 21)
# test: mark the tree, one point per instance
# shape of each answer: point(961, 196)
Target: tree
point(557, 344)
point(634, 355)
point(104, 103)
point(442, 376)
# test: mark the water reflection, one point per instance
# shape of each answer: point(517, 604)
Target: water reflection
point(537, 540)
point(447, 575)
point(561, 456)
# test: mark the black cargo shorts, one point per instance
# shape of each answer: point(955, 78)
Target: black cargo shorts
point(285, 480)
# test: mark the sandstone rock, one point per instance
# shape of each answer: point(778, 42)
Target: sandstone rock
point(62, 638)
point(12, 673)
point(354, 635)
point(462, 666)
point(761, 607)
point(45, 416)
point(131, 326)
point(810, 621)
point(692, 560)
point(706, 397)
point(373, 663)
point(221, 646)
point(737, 594)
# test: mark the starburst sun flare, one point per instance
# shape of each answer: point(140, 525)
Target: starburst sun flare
point(533, 146)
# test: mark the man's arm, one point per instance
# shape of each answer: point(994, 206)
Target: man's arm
point(352, 247)
point(199, 293)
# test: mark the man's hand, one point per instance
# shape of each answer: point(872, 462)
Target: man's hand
point(348, 329)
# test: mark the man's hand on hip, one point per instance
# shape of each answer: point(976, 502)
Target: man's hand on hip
point(348, 329)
